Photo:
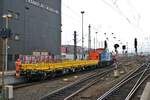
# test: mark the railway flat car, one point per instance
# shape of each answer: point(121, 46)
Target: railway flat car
point(44, 70)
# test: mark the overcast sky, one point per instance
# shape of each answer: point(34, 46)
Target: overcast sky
point(127, 19)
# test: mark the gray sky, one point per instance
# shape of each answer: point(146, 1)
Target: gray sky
point(127, 19)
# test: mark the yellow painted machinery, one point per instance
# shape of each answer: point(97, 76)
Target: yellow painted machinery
point(50, 69)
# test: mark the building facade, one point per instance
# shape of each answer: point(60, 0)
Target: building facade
point(36, 26)
point(67, 52)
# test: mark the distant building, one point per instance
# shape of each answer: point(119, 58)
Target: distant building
point(67, 52)
point(36, 26)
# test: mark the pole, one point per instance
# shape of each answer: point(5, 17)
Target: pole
point(3, 67)
point(94, 43)
point(96, 40)
point(102, 44)
point(89, 39)
point(75, 45)
point(5, 53)
point(6, 48)
point(82, 12)
point(127, 48)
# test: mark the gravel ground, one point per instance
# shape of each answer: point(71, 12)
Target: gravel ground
point(35, 92)
point(139, 92)
point(125, 66)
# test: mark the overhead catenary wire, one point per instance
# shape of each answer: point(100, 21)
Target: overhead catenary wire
point(134, 22)
point(77, 20)
point(79, 16)
point(116, 8)
point(135, 11)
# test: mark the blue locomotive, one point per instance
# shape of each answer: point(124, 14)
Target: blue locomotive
point(105, 58)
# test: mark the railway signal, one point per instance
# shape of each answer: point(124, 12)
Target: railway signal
point(105, 44)
point(135, 45)
point(123, 48)
point(116, 46)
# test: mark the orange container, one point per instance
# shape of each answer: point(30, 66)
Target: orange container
point(94, 54)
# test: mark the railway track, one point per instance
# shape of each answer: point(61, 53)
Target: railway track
point(127, 87)
point(26, 84)
point(44, 88)
point(51, 85)
point(36, 82)
point(67, 92)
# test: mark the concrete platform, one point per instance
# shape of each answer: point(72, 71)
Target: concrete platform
point(8, 73)
point(10, 78)
point(146, 92)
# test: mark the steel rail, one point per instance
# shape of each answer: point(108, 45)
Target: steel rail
point(126, 79)
point(21, 85)
point(138, 83)
point(132, 93)
point(117, 86)
point(26, 84)
point(85, 87)
point(72, 88)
